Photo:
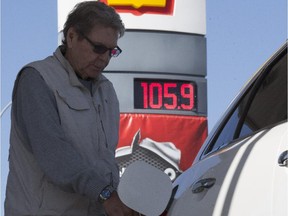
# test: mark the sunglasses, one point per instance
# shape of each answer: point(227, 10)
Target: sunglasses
point(101, 49)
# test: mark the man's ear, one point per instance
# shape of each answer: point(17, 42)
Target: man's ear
point(71, 36)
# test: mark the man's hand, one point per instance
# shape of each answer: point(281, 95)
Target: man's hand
point(114, 207)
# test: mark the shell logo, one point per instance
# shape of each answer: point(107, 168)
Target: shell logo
point(140, 7)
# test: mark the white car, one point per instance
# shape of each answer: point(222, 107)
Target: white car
point(241, 168)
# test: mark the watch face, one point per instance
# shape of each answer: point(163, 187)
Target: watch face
point(106, 193)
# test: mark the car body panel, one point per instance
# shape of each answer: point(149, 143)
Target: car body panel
point(244, 176)
point(243, 160)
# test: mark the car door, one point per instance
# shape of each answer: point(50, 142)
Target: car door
point(241, 169)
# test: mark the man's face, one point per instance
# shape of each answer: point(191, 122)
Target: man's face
point(81, 54)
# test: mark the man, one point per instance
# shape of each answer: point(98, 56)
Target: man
point(64, 124)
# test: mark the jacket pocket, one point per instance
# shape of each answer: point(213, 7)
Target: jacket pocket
point(75, 102)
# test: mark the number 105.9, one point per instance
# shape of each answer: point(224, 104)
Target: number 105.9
point(168, 95)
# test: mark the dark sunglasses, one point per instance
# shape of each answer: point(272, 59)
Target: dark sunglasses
point(101, 49)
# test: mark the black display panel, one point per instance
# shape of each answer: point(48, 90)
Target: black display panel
point(160, 94)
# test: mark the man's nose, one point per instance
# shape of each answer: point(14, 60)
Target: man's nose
point(104, 56)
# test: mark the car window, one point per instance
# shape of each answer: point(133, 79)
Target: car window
point(227, 133)
point(264, 104)
point(269, 105)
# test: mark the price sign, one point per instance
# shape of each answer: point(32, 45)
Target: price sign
point(164, 94)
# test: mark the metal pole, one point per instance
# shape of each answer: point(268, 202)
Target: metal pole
point(5, 108)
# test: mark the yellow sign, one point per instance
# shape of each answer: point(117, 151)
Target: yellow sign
point(137, 3)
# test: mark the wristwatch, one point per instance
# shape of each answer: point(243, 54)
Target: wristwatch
point(105, 193)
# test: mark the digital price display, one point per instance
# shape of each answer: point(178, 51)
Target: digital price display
point(164, 94)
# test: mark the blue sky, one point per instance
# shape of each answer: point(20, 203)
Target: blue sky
point(241, 35)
